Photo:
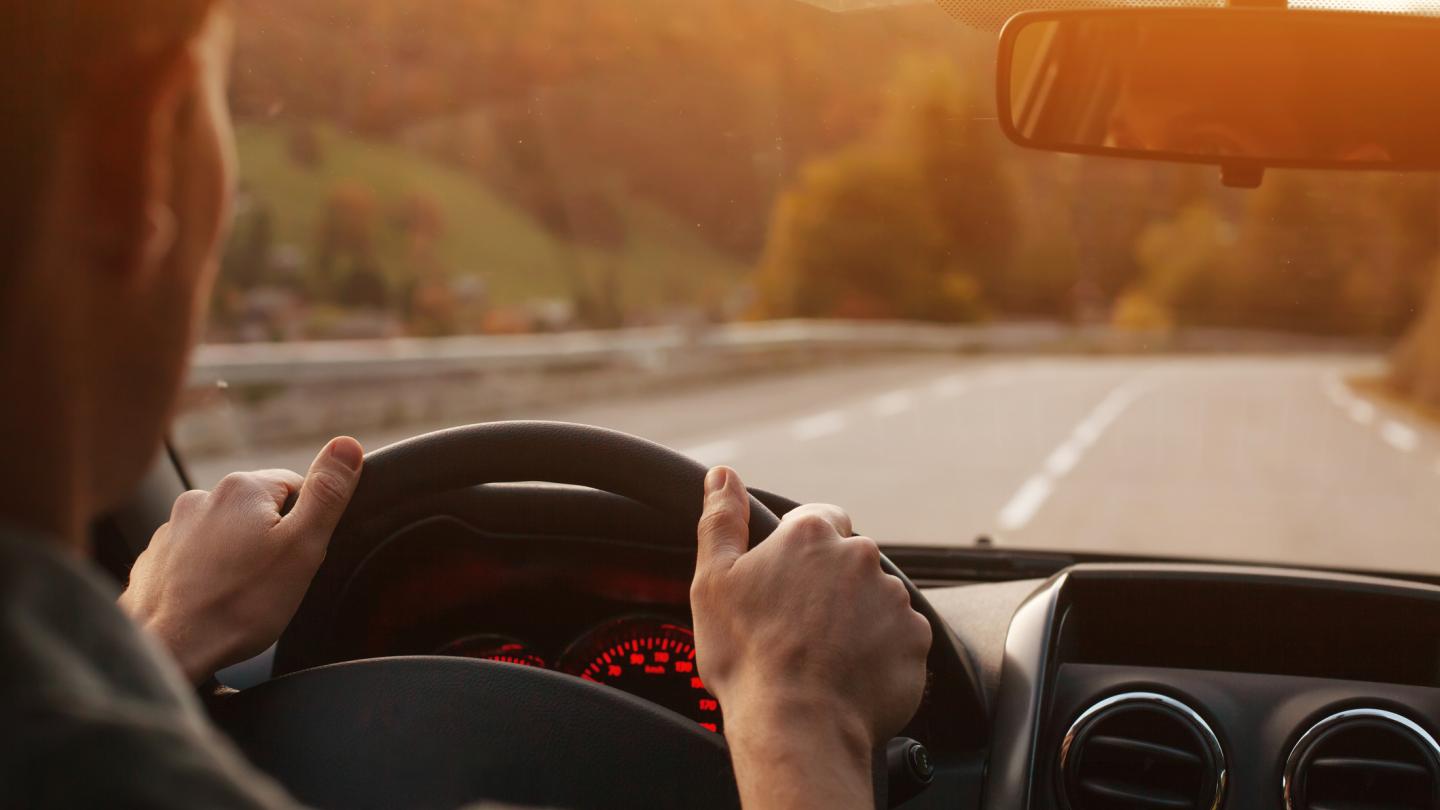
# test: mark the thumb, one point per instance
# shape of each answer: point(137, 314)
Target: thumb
point(724, 530)
point(327, 488)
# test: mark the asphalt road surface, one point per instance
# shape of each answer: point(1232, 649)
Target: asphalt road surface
point(1272, 459)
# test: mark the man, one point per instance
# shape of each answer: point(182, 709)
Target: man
point(115, 174)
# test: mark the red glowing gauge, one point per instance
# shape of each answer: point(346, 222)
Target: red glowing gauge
point(491, 647)
point(649, 658)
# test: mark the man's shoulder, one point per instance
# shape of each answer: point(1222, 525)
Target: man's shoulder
point(62, 634)
point(95, 715)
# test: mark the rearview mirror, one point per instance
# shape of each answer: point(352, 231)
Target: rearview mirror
point(1241, 88)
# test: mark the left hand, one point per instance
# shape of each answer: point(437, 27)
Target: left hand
point(221, 580)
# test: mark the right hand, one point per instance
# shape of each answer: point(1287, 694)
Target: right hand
point(804, 640)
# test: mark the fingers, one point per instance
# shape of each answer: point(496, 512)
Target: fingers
point(278, 484)
point(724, 531)
point(327, 488)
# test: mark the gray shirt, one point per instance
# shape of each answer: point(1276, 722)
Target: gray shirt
point(93, 713)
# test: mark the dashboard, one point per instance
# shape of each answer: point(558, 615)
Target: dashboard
point(652, 657)
point(610, 609)
point(615, 615)
point(1188, 686)
point(1093, 686)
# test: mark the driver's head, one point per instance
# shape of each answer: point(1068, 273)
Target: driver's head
point(115, 173)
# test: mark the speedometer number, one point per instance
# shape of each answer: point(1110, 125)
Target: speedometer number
point(648, 658)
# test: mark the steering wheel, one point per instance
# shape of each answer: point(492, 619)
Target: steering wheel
point(430, 731)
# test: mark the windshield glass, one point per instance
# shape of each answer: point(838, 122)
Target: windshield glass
point(789, 237)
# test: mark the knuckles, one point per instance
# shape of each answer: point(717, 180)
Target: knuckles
point(699, 590)
point(865, 552)
point(921, 631)
point(188, 503)
point(807, 526)
point(896, 590)
point(236, 485)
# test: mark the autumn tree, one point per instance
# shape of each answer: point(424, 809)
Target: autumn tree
point(910, 223)
point(1186, 265)
point(347, 263)
point(859, 237)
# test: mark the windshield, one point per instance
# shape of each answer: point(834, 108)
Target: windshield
point(789, 237)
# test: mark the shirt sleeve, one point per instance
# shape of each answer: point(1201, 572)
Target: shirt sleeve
point(96, 714)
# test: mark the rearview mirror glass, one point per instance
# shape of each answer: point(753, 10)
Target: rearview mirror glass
point(1237, 87)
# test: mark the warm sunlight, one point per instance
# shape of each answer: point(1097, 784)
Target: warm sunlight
point(646, 217)
point(1397, 6)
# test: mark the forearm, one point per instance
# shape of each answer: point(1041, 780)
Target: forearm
point(800, 759)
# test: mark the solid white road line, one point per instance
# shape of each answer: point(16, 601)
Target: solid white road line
point(1026, 502)
point(893, 403)
point(817, 426)
point(1400, 436)
point(720, 452)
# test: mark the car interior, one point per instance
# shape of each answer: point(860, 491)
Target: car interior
point(503, 613)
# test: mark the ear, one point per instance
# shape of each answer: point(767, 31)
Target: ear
point(128, 124)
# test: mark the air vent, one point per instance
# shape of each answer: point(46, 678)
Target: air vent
point(1366, 758)
point(1141, 751)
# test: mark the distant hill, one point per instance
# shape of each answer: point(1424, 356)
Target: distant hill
point(481, 234)
point(705, 107)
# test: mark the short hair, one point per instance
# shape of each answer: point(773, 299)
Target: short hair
point(46, 49)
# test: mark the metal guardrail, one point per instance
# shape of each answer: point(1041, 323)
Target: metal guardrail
point(332, 361)
point(401, 358)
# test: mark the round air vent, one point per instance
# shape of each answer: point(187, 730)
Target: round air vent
point(1138, 751)
point(1367, 758)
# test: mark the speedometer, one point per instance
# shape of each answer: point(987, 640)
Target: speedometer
point(649, 658)
point(490, 647)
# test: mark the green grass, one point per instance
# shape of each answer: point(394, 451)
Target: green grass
point(664, 260)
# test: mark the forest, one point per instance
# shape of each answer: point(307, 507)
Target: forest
point(468, 166)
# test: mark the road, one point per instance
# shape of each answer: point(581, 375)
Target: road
point(1271, 459)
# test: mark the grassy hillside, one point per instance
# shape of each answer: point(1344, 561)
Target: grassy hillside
point(662, 260)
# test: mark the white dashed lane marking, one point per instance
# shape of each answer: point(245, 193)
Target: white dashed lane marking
point(1399, 436)
point(951, 386)
point(1065, 457)
point(1025, 503)
point(1362, 412)
point(893, 403)
point(1335, 389)
point(828, 423)
point(1032, 495)
point(1395, 433)
point(817, 426)
point(721, 452)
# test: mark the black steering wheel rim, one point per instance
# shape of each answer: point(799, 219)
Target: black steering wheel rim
point(638, 469)
point(553, 452)
point(320, 728)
